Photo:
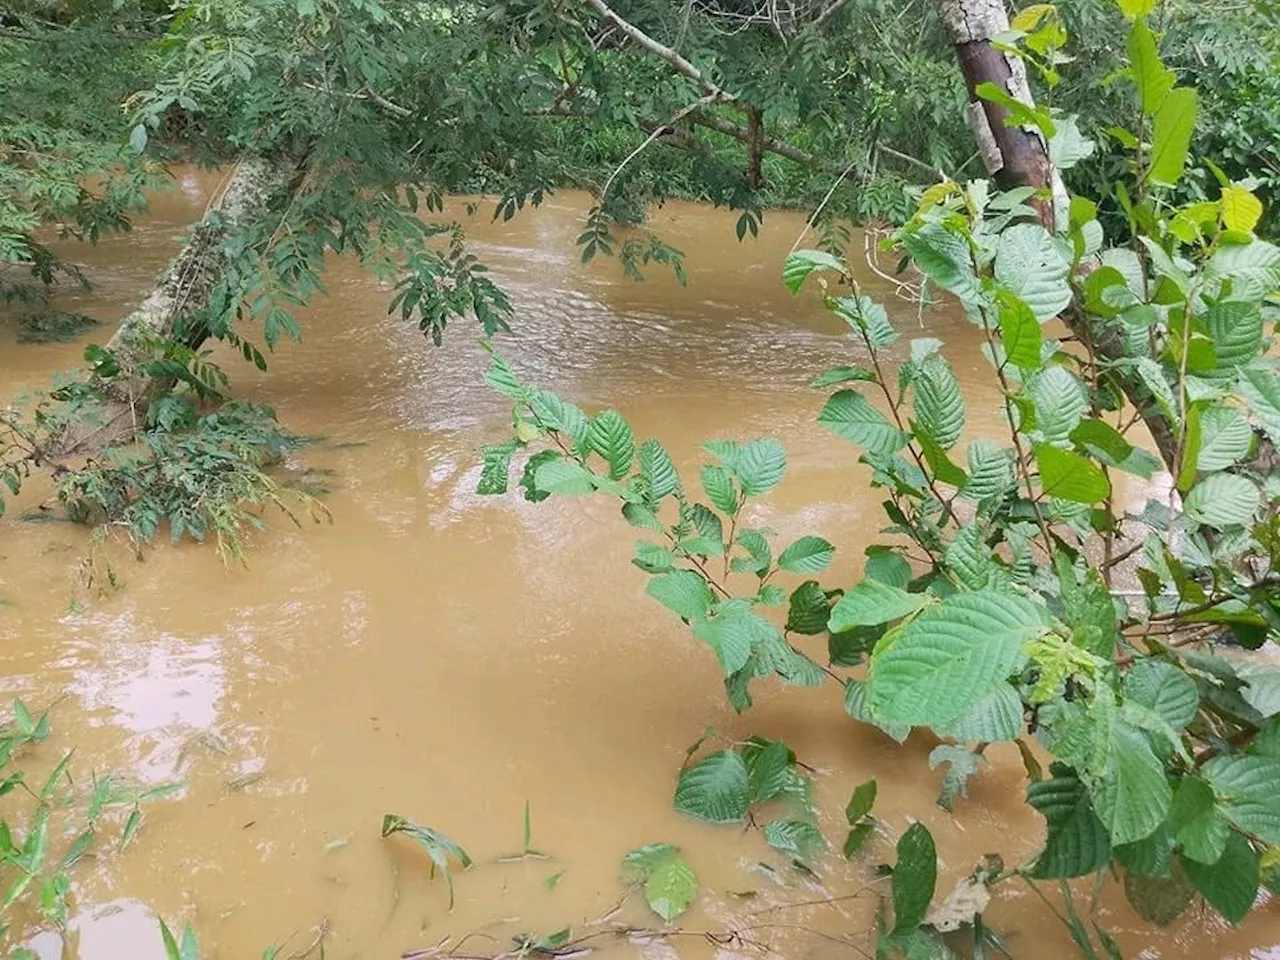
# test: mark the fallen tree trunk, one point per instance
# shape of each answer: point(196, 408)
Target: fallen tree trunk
point(178, 297)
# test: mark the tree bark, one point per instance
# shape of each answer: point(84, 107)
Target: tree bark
point(1016, 157)
point(181, 292)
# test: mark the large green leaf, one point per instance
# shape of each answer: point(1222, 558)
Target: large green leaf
point(497, 466)
point(683, 592)
point(657, 470)
point(944, 257)
point(868, 318)
point(563, 476)
point(1175, 121)
point(872, 602)
point(769, 768)
point(610, 436)
point(734, 632)
point(1069, 476)
point(1225, 438)
point(1077, 843)
point(915, 876)
point(760, 466)
point(1223, 500)
point(800, 264)
point(560, 415)
point(950, 656)
point(990, 471)
point(1261, 387)
point(995, 717)
point(1163, 688)
point(718, 484)
point(1231, 884)
point(807, 555)
point(944, 469)
point(1235, 328)
point(796, 838)
point(1199, 827)
point(1247, 794)
point(1060, 400)
point(850, 415)
point(1132, 796)
point(1253, 269)
point(809, 609)
point(1152, 78)
point(1029, 266)
point(1019, 332)
point(939, 404)
point(715, 790)
point(1105, 442)
point(972, 561)
point(669, 884)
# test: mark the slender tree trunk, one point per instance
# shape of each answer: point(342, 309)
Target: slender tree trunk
point(179, 294)
point(1017, 157)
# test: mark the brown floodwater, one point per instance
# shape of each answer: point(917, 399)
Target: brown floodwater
point(453, 658)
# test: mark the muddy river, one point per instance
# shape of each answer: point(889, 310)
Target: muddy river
point(453, 658)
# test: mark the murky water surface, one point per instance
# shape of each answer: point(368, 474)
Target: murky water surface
point(452, 658)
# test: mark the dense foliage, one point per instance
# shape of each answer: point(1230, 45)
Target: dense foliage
point(1011, 598)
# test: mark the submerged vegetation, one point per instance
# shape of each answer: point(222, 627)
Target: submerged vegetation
point(1109, 240)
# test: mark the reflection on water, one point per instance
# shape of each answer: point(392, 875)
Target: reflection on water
point(450, 657)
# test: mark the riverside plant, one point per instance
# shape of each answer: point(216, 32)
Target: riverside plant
point(992, 609)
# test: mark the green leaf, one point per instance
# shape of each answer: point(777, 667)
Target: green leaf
point(990, 471)
point(497, 464)
point(563, 476)
point(1105, 442)
point(1132, 796)
point(1152, 78)
point(855, 705)
point(769, 767)
point(1164, 688)
point(610, 436)
point(1197, 824)
point(1151, 856)
point(670, 888)
point(760, 556)
point(800, 264)
point(961, 765)
point(1069, 146)
point(1060, 400)
point(652, 558)
point(683, 592)
point(888, 567)
point(1241, 210)
point(657, 470)
point(1231, 884)
point(944, 258)
point(1175, 121)
point(1253, 269)
point(1223, 500)
point(1246, 791)
point(797, 838)
point(857, 839)
point(807, 555)
point(1019, 332)
point(950, 656)
point(715, 790)
point(997, 716)
point(843, 374)
point(1029, 266)
point(871, 602)
point(849, 415)
point(734, 632)
point(647, 858)
point(561, 416)
point(939, 404)
point(1236, 330)
point(942, 466)
point(1069, 476)
point(1225, 438)
point(1077, 843)
point(914, 877)
point(861, 802)
point(1261, 387)
point(138, 138)
point(760, 466)
point(718, 484)
point(809, 609)
point(1137, 8)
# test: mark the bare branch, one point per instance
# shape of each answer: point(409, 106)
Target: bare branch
point(679, 63)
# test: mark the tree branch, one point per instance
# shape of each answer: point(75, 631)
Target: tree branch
point(679, 63)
